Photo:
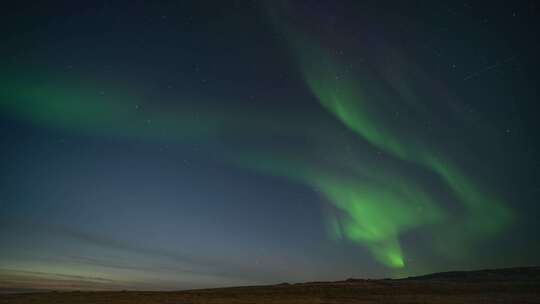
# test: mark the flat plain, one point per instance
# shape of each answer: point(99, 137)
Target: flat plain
point(514, 285)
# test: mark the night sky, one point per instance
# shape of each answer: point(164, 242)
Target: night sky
point(169, 145)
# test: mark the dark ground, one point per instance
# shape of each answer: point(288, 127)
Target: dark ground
point(515, 285)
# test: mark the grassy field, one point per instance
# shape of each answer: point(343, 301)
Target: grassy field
point(466, 287)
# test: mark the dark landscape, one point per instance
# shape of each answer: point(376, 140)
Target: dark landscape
point(511, 285)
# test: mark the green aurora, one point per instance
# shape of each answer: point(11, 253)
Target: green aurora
point(374, 204)
point(376, 218)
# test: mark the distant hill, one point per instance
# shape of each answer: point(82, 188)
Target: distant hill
point(504, 274)
point(516, 274)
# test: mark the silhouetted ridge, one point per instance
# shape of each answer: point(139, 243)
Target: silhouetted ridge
point(505, 274)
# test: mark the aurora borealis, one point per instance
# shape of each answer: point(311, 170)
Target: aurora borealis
point(170, 146)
